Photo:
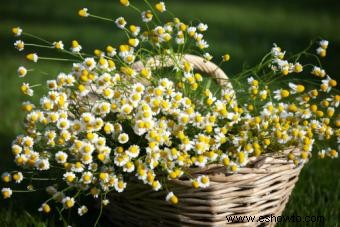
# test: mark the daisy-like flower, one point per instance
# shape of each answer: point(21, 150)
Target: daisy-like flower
point(27, 141)
point(321, 52)
point(322, 153)
point(87, 177)
point(171, 198)
point(105, 202)
point(6, 193)
point(19, 45)
point(280, 94)
point(147, 16)
point(111, 52)
point(296, 88)
point(78, 167)
point(324, 44)
point(133, 42)
point(208, 56)
point(75, 46)
point(298, 67)
point(317, 71)
point(156, 185)
point(202, 27)
point(17, 31)
point(69, 177)
point(61, 157)
point(124, 2)
point(226, 57)
point(18, 177)
point(123, 138)
point(160, 7)
point(332, 153)
point(120, 22)
point(129, 167)
point(327, 84)
point(90, 63)
point(133, 151)
point(58, 45)
point(32, 57)
point(135, 30)
point(44, 208)
point(126, 109)
point(42, 164)
point(6, 177)
point(22, 71)
point(68, 202)
point(83, 12)
point(82, 210)
point(202, 44)
point(203, 181)
point(63, 124)
point(120, 186)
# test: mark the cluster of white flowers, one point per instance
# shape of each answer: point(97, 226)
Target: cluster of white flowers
point(108, 120)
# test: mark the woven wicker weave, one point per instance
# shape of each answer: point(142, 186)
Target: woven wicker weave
point(260, 189)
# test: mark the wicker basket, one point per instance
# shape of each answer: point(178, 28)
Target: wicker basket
point(260, 189)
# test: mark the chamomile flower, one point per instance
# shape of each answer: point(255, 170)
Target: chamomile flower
point(58, 45)
point(160, 7)
point(32, 57)
point(82, 210)
point(17, 31)
point(208, 56)
point(296, 88)
point(61, 157)
point(123, 138)
point(78, 167)
point(22, 71)
point(202, 27)
point(321, 52)
point(75, 46)
point(44, 208)
point(147, 16)
point(42, 164)
point(124, 2)
point(120, 186)
point(19, 45)
point(324, 44)
point(203, 181)
point(83, 12)
point(68, 202)
point(171, 198)
point(133, 151)
point(280, 94)
point(317, 71)
point(87, 178)
point(18, 177)
point(121, 22)
point(6, 193)
point(135, 30)
point(298, 67)
point(6, 177)
point(69, 177)
point(27, 141)
point(156, 185)
point(226, 57)
point(90, 63)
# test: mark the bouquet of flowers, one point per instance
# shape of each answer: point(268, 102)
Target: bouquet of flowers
point(144, 111)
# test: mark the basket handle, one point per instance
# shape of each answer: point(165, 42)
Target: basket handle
point(198, 63)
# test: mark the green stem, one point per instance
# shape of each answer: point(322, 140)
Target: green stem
point(101, 18)
point(100, 211)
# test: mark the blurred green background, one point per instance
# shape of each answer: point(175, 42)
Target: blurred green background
point(246, 29)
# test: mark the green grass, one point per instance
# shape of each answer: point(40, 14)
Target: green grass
point(245, 29)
